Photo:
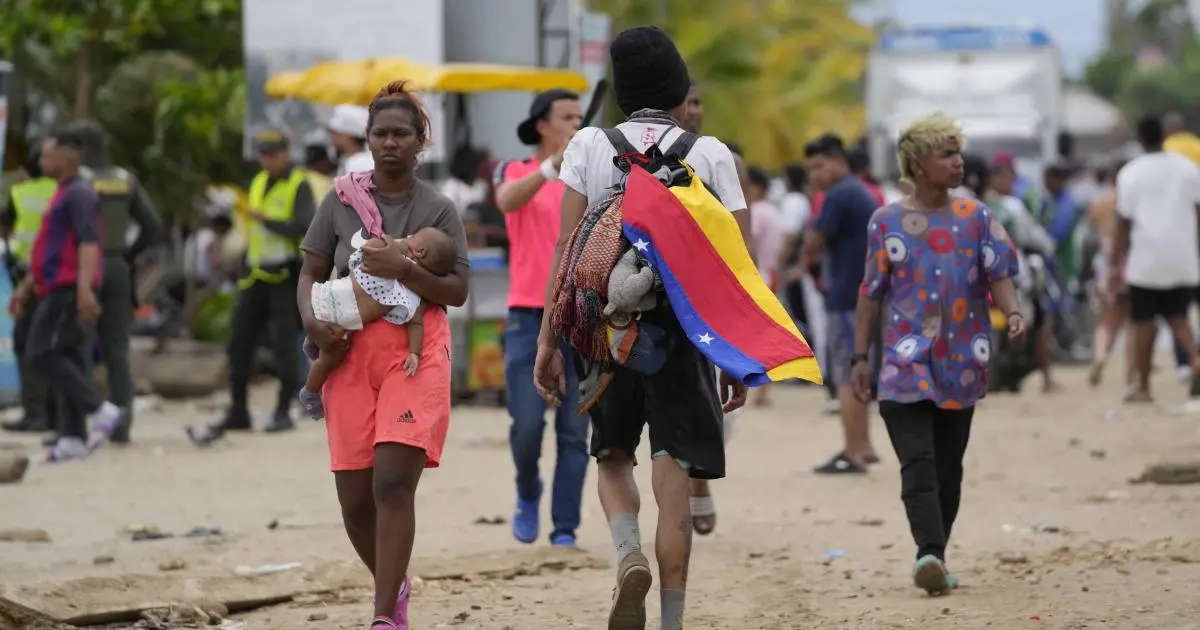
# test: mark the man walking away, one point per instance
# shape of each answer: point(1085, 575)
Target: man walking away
point(1158, 198)
point(281, 207)
point(704, 509)
point(348, 135)
point(1180, 140)
point(680, 401)
point(528, 192)
point(66, 273)
point(122, 200)
point(840, 233)
point(22, 218)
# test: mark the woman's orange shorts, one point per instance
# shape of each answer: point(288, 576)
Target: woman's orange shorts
point(369, 400)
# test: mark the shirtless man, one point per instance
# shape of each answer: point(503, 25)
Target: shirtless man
point(1113, 301)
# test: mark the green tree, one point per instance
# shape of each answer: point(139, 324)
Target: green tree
point(127, 64)
point(775, 73)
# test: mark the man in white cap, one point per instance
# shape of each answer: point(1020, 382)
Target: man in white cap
point(348, 135)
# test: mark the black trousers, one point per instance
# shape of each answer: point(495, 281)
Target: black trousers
point(930, 443)
point(264, 309)
point(56, 346)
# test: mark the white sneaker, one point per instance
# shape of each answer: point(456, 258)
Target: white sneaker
point(102, 423)
point(67, 449)
point(832, 406)
point(1183, 373)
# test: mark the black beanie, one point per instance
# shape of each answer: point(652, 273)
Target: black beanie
point(648, 71)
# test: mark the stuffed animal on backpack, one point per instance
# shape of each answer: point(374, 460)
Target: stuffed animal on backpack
point(630, 285)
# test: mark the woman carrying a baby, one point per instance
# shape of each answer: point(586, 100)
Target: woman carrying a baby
point(382, 337)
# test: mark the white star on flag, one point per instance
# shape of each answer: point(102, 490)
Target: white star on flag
point(641, 245)
point(706, 338)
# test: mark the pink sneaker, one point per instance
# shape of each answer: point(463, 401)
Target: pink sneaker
point(383, 624)
point(401, 612)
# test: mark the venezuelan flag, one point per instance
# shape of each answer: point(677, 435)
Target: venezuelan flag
point(721, 301)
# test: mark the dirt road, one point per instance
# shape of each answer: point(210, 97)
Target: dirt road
point(1050, 535)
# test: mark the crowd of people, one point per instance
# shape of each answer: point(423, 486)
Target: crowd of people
point(350, 264)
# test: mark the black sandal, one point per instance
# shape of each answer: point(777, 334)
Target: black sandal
point(839, 465)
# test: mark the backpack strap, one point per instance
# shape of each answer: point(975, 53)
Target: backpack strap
point(683, 145)
point(619, 142)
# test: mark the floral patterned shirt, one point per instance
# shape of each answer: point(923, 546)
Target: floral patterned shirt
point(932, 271)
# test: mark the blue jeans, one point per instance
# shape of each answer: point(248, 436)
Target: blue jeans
point(528, 411)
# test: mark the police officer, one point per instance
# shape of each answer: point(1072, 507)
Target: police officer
point(19, 223)
point(123, 202)
point(281, 207)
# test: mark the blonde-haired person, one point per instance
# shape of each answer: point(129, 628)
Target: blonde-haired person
point(931, 260)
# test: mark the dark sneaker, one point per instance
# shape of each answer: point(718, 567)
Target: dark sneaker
point(280, 423)
point(629, 597)
point(28, 425)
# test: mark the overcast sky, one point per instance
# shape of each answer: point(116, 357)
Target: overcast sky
point(1076, 25)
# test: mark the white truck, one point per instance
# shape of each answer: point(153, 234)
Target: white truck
point(1004, 85)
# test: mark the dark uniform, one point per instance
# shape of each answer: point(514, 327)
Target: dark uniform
point(123, 202)
point(283, 206)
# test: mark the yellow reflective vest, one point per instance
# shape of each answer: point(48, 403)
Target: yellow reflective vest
point(265, 248)
point(31, 198)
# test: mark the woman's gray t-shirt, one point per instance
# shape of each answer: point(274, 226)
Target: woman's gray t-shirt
point(335, 223)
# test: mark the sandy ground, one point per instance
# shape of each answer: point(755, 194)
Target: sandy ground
point(1050, 535)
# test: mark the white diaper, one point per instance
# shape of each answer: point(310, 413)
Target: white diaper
point(334, 302)
point(386, 291)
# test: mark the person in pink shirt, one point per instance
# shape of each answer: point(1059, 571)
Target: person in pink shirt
point(529, 194)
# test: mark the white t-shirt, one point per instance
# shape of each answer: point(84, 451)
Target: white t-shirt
point(588, 169)
point(1158, 193)
point(356, 162)
point(462, 193)
point(794, 212)
point(766, 229)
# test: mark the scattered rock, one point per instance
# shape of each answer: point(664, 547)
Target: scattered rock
point(139, 533)
point(1170, 474)
point(318, 617)
point(24, 535)
point(1046, 529)
point(174, 564)
point(869, 522)
point(1012, 558)
point(490, 520)
point(1074, 442)
point(14, 615)
point(460, 618)
point(182, 616)
point(13, 467)
point(98, 560)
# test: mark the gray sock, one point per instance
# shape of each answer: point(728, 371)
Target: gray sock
point(672, 609)
point(625, 535)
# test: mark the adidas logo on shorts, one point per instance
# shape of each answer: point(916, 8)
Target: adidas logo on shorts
point(407, 416)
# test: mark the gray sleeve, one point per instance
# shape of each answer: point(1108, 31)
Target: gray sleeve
point(141, 209)
point(321, 238)
point(302, 216)
point(450, 222)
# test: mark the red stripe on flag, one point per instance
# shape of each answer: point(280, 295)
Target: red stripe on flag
point(706, 278)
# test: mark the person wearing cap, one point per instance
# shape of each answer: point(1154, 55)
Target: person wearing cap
point(318, 165)
point(681, 401)
point(348, 134)
point(123, 203)
point(28, 200)
point(281, 208)
point(528, 192)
